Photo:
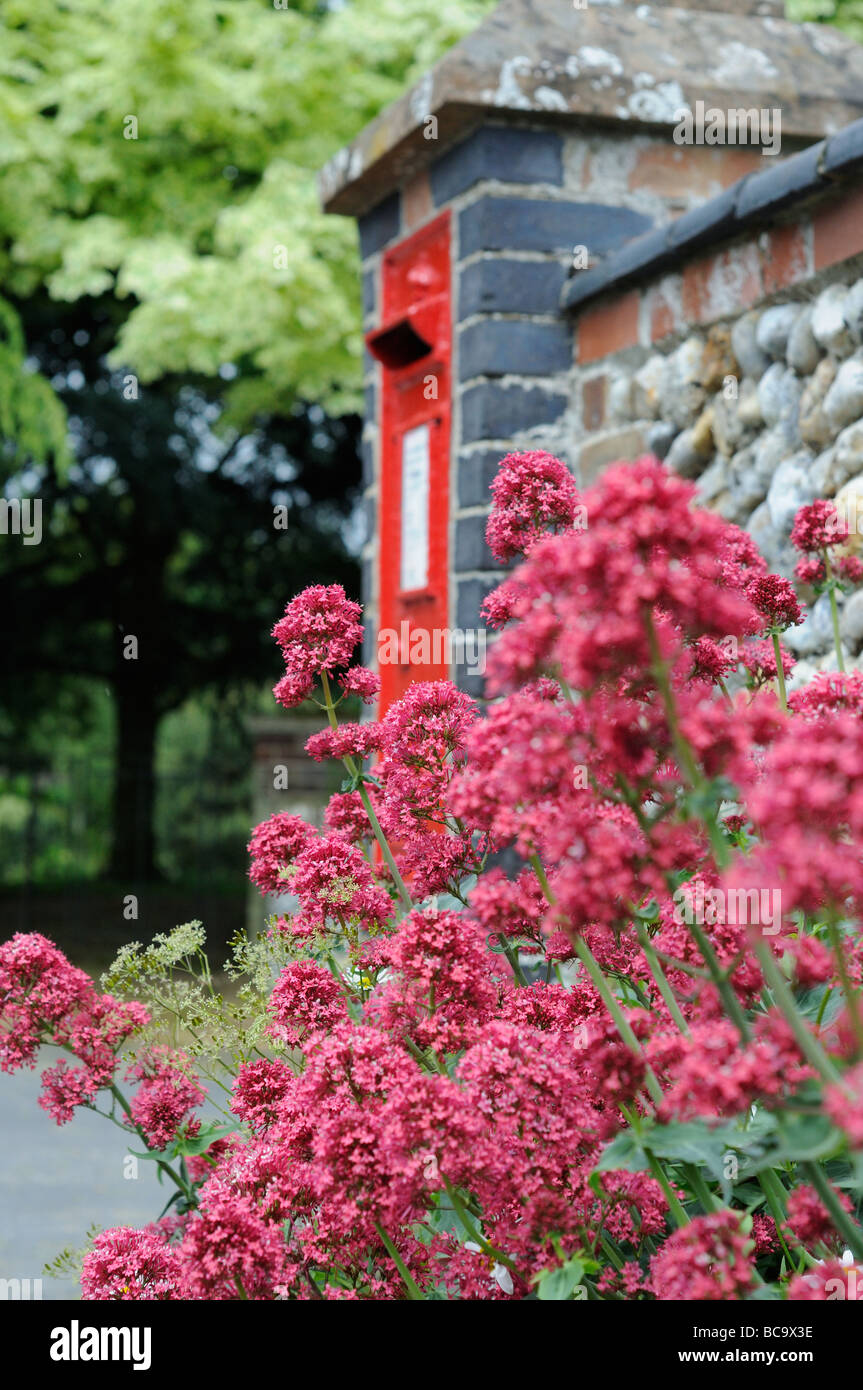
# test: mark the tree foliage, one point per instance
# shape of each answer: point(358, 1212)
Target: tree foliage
point(165, 153)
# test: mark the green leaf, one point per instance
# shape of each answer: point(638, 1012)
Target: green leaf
point(558, 1285)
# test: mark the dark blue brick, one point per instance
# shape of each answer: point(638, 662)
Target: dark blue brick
point(497, 152)
point(510, 287)
point(380, 225)
point(497, 412)
point(471, 551)
point(369, 292)
point(538, 224)
point(476, 472)
point(496, 347)
point(470, 594)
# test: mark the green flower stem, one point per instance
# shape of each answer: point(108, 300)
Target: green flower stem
point(806, 1040)
point(473, 1233)
point(834, 610)
point(661, 979)
point(659, 670)
point(656, 1168)
point(414, 1292)
point(594, 970)
point(511, 954)
point(780, 674)
point(852, 998)
point(366, 800)
point(848, 1229)
point(162, 1163)
point(776, 1196)
point(732, 1004)
point(700, 1189)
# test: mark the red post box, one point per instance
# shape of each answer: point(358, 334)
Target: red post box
point(414, 346)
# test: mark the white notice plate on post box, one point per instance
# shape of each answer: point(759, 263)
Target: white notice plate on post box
point(415, 508)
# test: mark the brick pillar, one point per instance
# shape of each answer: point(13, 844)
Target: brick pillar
point(548, 135)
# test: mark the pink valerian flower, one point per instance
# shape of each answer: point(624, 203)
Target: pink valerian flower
point(552, 1008)
point(759, 659)
point(334, 883)
point(498, 606)
point(846, 568)
point(424, 739)
point(347, 741)
point(345, 815)
point(359, 680)
point(810, 570)
point(166, 1096)
point(813, 963)
point(712, 1073)
point(711, 661)
point(131, 1266)
point(775, 600)
point(509, 907)
point(809, 1220)
point(707, 1260)
point(817, 526)
point(829, 1279)
point(765, 1235)
point(260, 1091)
point(274, 846)
point(305, 999)
point(441, 990)
point(533, 493)
point(829, 690)
point(740, 560)
point(585, 598)
point(544, 1126)
point(844, 1105)
point(633, 1205)
point(229, 1249)
point(519, 771)
point(38, 989)
point(808, 804)
point(318, 633)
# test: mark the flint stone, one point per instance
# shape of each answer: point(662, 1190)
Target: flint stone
point(753, 360)
point(828, 321)
point(681, 394)
point(645, 392)
point(774, 329)
point(853, 312)
point(851, 621)
point(844, 401)
point(790, 489)
point(815, 428)
point(803, 353)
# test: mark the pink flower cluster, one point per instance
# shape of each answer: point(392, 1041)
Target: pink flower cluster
point(556, 959)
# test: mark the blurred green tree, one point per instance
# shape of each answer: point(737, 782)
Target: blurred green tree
point(165, 152)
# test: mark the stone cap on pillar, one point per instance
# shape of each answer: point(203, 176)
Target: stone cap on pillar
point(611, 64)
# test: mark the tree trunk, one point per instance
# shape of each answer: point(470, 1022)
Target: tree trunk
point(133, 852)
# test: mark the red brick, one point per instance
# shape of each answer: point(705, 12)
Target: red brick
point(838, 231)
point(663, 308)
point(608, 328)
point(783, 257)
point(417, 204)
point(691, 172)
point(718, 285)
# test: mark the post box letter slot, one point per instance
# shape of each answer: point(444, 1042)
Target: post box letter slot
point(398, 345)
point(415, 509)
